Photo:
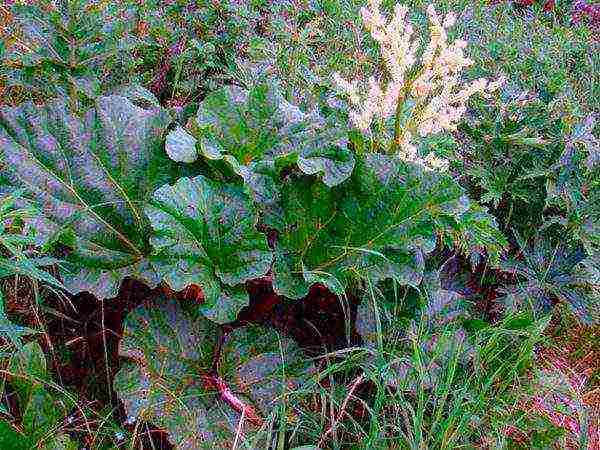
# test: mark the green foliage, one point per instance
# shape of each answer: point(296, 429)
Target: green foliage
point(21, 258)
point(433, 382)
point(41, 405)
point(169, 377)
point(89, 176)
point(381, 222)
point(61, 48)
point(10, 331)
point(556, 61)
point(196, 43)
point(257, 133)
point(509, 145)
point(574, 187)
point(379, 225)
point(265, 180)
point(547, 274)
point(205, 234)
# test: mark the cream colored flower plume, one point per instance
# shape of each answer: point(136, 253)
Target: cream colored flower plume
point(431, 81)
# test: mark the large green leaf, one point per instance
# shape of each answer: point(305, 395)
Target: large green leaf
point(90, 175)
point(204, 234)
point(257, 129)
point(378, 225)
point(166, 379)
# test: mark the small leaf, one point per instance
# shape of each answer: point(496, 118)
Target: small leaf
point(41, 411)
point(181, 146)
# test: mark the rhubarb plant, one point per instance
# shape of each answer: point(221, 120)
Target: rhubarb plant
point(175, 377)
point(90, 174)
point(122, 196)
point(256, 134)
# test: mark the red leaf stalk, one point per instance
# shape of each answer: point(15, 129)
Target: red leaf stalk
point(236, 403)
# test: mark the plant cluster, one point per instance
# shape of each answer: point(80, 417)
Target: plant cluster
point(59, 49)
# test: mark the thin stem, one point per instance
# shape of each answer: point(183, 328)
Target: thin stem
point(398, 132)
point(397, 124)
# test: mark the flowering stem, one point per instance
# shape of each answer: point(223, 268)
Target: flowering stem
point(398, 131)
point(398, 134)
point(396, 144)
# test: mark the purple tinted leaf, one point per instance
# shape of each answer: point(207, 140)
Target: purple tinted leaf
point(167, 378)
point(90, 176)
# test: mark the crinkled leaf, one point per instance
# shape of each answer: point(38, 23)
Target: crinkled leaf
point(90, 176)
point(262, 366)
point(380, 225)
point(246, 128)
point(167, 350)
point(205, 234)
point(170, 351)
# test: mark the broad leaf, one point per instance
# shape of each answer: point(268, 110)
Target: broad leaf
point(262, 366)
point(204, 234)
point(167, 379)
point(250, 128)
point(90, 175)
point(379, 225)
